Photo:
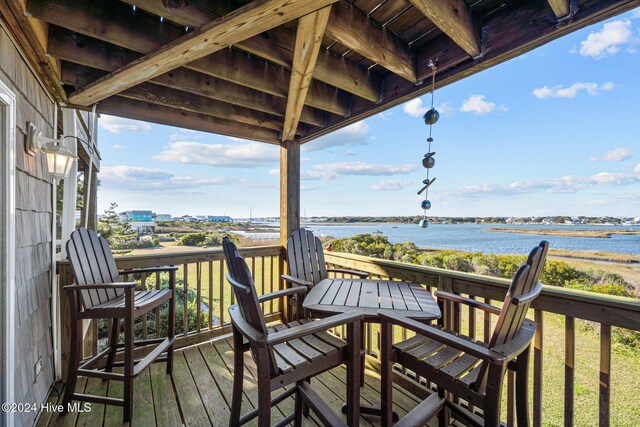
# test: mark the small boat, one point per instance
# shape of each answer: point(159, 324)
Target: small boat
point(377, 232)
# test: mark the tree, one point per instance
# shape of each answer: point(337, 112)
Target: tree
point(114, 230)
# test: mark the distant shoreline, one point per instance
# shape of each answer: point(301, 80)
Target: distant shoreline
point(598, 234)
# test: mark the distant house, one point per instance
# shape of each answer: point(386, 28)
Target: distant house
point(223, 218)
point(140, 221)
point(163, 217)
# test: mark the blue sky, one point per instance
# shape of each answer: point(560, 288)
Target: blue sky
point(553, 132)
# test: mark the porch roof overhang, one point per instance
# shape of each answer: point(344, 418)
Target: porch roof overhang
point(275, 70)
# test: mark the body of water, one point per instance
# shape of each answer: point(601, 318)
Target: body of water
point(471, 237)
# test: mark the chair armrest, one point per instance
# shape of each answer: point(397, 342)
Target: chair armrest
point(444, 338)
point(283, 293)
point(245, 329)
point(116, 285)
point(149, 270)
point(360, 274)
point(355, 316)
point(467, 301)
point(296, 281)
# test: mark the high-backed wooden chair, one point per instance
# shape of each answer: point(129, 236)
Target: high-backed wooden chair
point(288, 353)
point(305, 258)
point(100, 294)
point(468, 369)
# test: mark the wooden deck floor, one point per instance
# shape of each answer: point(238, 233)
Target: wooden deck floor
point(198, 393)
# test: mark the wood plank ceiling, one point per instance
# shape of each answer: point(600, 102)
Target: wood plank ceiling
point(275, 70)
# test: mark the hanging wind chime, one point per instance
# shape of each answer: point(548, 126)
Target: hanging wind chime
point(430, 118)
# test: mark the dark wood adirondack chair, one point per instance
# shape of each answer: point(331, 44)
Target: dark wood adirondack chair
point(289, 353)
point(99, 293)
point(305, 257)
point(468, 369)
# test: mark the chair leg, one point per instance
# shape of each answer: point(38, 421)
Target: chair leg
point(362, 358)
point(387, 374)
point(444, 416)
point(522, 380)
point(299, 404)
point(264, 388)
point(74, 360)
point(305, 408)
point(129, 332)
point(113, 343)
point(354, 339)
point(238, 376)
point(493, 396)
point(171, 330)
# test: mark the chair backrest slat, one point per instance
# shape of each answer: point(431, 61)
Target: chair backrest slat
point(306, 257)
point(245, 291)
point(92, 263)
point(512, 315)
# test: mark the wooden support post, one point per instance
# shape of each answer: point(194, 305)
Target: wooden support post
point(92, 203)
point(289, 200)
point(289, 189)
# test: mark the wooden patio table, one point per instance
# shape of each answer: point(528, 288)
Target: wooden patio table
point(372, 297)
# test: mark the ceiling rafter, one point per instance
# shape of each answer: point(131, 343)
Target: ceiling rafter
point(308, 41)
point(277, 47)
point(245, 22)
point(351, 27)
point(89, 52)
point(456, 20)
point(561, 8)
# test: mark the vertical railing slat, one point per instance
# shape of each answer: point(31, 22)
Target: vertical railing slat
point(605, 374)
point(221, 278)
point(569, 365)
point(210, 313)
point(143, 285)
point(185, 297)
point(472, 320)
point(157, 308)
point(487, 323)
point(537, 368)
point(198, 294)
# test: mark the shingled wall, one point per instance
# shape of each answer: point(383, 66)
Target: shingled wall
point(33, 233)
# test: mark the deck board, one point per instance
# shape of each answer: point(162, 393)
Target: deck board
point(199, 392)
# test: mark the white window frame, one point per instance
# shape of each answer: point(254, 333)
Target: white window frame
point(8, 245)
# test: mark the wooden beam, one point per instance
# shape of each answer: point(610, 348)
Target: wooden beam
point(78, 76)
point(138, 110)
point(88, 52)
point(513, 31)
point(29, 38)
point(349, 26)
point(115, 23)
point(561, 8)
point(289, 189)
point(245, 22)
point(455, 19)
point(308, 41)
point(276, 46)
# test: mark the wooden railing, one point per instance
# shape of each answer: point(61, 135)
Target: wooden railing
point(602, 312)
point(201, 275)
point(203, 295)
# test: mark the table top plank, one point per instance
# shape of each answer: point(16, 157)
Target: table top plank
point(343, 292)
point(369, 296)
point(396, 296)
point(353, 300)
point(409, 298)
point(385, 295)
point(330, 296)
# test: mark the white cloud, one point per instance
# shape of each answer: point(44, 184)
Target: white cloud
point(234, 155)
point(117, 147)
point(565, 184)
point(328, 171)
point(389, 185)
point(477, 104)
point(615, 155)
point(414, 108)
point(135, 178)
point(572, 91)
point(118, 125)
point(608, 41)
point(445, 109)
point(354, 134)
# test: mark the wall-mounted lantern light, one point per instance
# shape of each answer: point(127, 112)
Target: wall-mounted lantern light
point(59, 158)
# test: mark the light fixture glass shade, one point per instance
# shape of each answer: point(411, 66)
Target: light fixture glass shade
point(59, 160)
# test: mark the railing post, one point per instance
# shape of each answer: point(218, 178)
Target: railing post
point(446, 284)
